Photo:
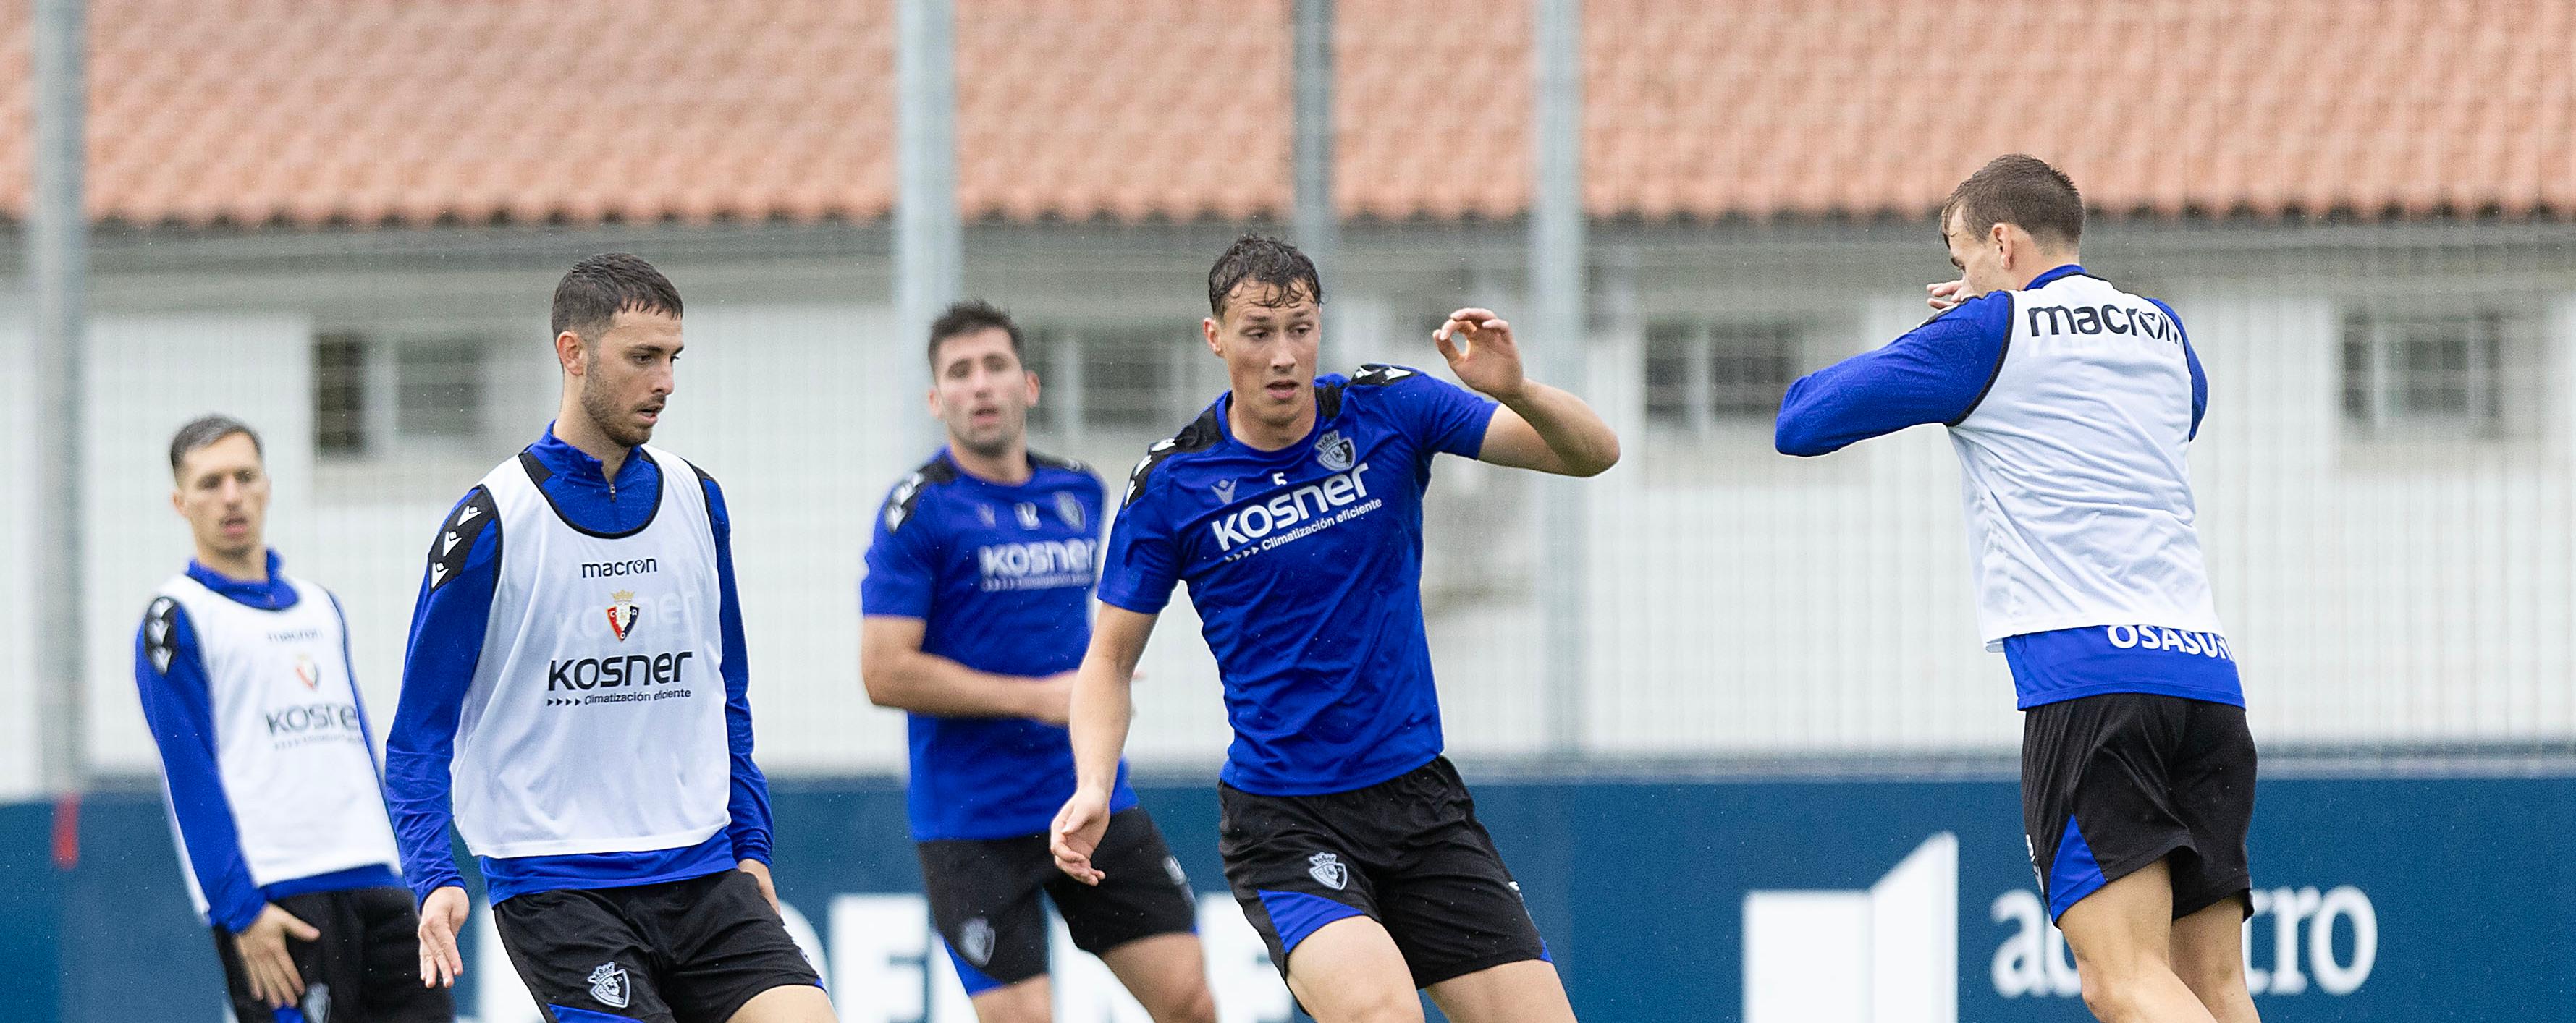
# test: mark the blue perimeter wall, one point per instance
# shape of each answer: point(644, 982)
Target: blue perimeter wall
point(1639, 885)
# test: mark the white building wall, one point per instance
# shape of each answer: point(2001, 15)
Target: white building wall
point(1741, 602)
point(21, 748)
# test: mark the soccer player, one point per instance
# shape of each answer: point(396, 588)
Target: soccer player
point(576, 685)
point(2070, 403)
point(270, 770)
point(1293, 507)
point(977, 611)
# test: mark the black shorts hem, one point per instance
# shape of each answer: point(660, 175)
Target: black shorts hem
point(1121, 937)
point(749, 992)
point(1443, 972)
point(2240, 888)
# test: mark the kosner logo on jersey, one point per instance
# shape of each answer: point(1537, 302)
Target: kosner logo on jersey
point(1035, 564)
point(636, 669)
point(1297, 513)
point(1890, 953)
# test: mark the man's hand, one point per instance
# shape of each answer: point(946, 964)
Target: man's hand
point(1941, 297)
point(1076, 834)
point(441, 916)
point(768, 890)
point(270, 967)
point(1480, 350)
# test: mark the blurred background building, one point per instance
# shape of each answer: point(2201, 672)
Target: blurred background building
point(342, 221)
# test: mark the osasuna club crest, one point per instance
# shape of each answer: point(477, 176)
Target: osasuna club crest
point(608, 984)
point(1336, 451)
point(1069, 508)
point(975, 941)
point(1327, 870)
point(305, 672)
point(622, 614)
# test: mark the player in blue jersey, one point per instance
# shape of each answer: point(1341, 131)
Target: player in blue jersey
point(1293, 508)
point(977, 611)
point(575, 703)
point(268, 762)
point(2070, 403)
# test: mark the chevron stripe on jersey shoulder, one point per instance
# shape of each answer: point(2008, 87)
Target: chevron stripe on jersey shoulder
point(1202, 433)
point(456, 536)
point(907, 494)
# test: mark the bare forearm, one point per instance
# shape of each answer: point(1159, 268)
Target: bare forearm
point(930, 684)
point(1103, 704)
point(1584, 444)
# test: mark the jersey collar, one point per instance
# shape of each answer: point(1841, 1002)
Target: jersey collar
point(2069, 270)
point(573, 464)
point(271, 594)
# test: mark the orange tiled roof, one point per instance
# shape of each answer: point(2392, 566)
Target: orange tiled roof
point(314, 111)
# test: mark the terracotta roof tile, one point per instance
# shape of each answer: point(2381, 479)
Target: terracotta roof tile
point(252, 111)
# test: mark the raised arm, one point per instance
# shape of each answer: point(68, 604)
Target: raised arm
point(1102, 708)
point(1936, 373)
point(899, 675)
point(1539, 427)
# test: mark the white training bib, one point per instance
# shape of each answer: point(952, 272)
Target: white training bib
point(301, 781)
point(595, 721)
point(2079, 503)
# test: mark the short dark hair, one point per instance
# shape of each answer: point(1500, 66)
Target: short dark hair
point(971, 316)
point(595, 290)
point(205, 430)
point(2019, 189)
point(1281, 271)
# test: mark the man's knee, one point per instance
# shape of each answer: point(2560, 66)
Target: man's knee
point(1023, 1002)
point(1191, 1005)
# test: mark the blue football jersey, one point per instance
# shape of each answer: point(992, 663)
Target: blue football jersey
point(1305, 565)
point(1001, 577)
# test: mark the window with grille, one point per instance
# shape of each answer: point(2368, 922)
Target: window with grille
point(2439, 375)
point(374, 395)
point(1122, 380)
point(1700, 374)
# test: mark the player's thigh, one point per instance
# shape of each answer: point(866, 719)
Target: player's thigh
point(2213, 793)
point(1168, 975)
point(1450, 903)
point(1349, 971)
point(575, 950)
point(1028, 1001)
point(1291, 871)
point(390, 968)
point(727, 949)
point(2097, 801)
point(2209, 956)
point(2124, 930)
point(984, 902)
point(788, 1004)
point(1527, 991)
point(1142, 893)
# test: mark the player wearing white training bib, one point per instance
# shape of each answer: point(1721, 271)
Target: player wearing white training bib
point(268, 764)
point(575, 701)
point(2070, 403)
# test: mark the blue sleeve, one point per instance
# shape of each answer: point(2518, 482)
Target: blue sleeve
point(2191, 359)
point(447, 625)
point(1936, 373)
point(749, 803)
point(170, 672)
point(902, 561)
point(1141, 565)
point(1443, 415)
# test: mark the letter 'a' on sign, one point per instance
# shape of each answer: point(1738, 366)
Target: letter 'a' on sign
point(1889, 954)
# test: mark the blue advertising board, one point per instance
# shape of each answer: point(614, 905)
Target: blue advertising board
point(1871, 901)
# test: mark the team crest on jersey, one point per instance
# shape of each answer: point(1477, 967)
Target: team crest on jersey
point(305, 672)
point(622, 614)
point(1224, 491)
point(975, 941)
point(1069, 508)
point(608, 984)
point(1336, 451)
point(1327, 870)
point(1028, 514)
